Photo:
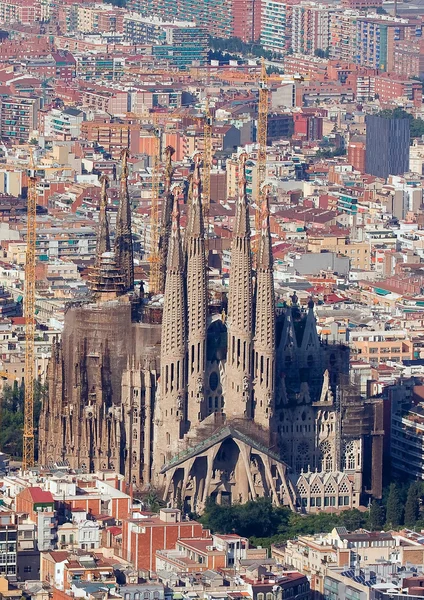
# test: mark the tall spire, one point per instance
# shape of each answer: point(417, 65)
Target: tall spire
point(165, 228)
point(240, 308)
point(264, 341)
point(123, 238)
point(196, 302)
point(170, 411)
point(103, 239)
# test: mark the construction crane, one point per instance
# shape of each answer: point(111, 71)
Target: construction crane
point(262, 143)
point(29, 313)
point(154, 257)
point(207, 164)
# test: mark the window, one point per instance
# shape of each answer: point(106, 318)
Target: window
point(27, 569)
point(260, 597)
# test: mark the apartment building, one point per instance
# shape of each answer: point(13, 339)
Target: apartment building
point(18, 117)
point(24, 12)
point(376, 39)
point(8, 545)
point(61, 124)
point(380, 345)
point(274, 31)
point(343, 34)
point(311, 27)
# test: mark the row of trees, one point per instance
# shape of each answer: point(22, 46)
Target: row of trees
point(220, 48)
point(416, 125)
point(12, 417)
point(266, 524)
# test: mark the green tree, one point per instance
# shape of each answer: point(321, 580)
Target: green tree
point(394, 511)
point(412, 506)
point(376, 516)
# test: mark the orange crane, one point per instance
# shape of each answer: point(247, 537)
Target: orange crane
point(29, 313)
point(262, 143)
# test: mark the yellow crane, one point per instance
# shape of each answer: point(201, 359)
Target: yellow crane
point(262, 143)
point(29, 313)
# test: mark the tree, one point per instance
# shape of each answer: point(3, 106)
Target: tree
point(394, 512)
point(376, 516)
point(319, 53)
point(412, 506)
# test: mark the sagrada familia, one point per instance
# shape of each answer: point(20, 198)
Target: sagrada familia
point(195, 400)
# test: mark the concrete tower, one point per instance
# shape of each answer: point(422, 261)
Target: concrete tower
point(123, 238)
point(170, 417)
point(197, 298)
point(264, 341)
point(240, 309)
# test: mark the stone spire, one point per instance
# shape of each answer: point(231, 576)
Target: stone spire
point(264, 341)
point(105, 278)
point(240, 308)
point(103, 239)
point(123, 238)
point(165, 229)
point(196, 302)
point(170, 412)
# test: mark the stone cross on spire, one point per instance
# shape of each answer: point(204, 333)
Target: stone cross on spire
point(123, 239)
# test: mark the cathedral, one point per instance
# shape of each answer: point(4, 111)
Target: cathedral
point(195, 400)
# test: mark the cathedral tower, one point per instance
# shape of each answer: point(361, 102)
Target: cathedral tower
point(170, 417)
point(103, 238)
point(197, 299)
point(123, 238)
point(264, 341)
point(240, 309)
point(165, 230)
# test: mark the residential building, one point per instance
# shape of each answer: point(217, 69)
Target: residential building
point(142, 537)
point(18, 117)
point(8, 544)
point(387, 146)
point(310, 27)
point(376, 39)
point(380, 345)
point(38, 505)
point(274, 33)
point(62, 124)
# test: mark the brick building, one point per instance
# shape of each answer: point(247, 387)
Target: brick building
point(143, 537)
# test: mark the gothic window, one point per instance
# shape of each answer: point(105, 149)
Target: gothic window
point(83, 467)
point(283, 450)
point(327, 459)
point(135, 417)
point(134, 434)
point(302, 489)
point(343, 489)
point(316, 489)
point(310, 360)
point(213, 380)
point(329, 489)
point(134, 459)
point(349, 456)
point(302, 457)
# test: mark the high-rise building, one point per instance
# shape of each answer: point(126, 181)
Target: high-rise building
point(228, 18)
point(387, 146)
point(343, 35)
point(377, 37)
point(310, 27)
point(274, 34)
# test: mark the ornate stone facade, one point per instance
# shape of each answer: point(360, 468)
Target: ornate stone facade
point(180, 396)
